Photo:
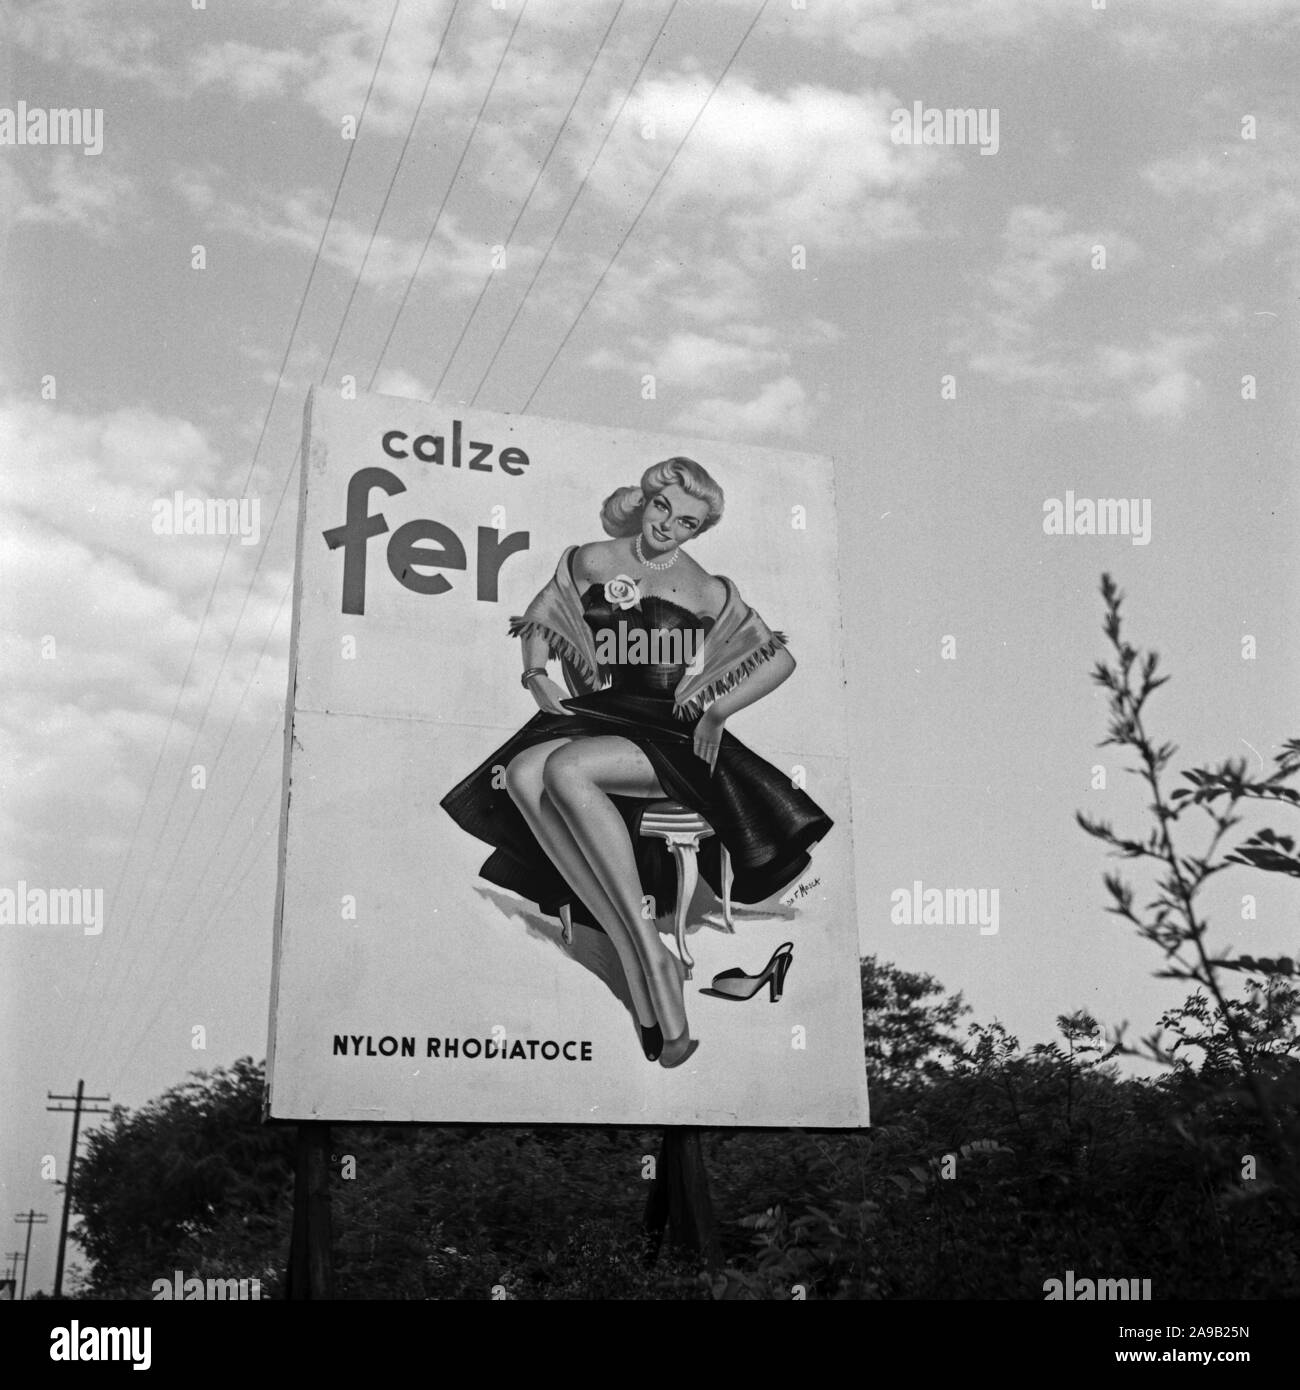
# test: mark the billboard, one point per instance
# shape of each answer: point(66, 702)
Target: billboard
point(566, 831)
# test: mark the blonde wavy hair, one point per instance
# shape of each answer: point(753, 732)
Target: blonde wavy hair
point(620, 514)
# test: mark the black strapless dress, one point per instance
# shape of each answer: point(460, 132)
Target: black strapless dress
point(767, 824)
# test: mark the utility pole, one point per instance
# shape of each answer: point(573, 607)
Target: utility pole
point(76, 1112)
point(13, 1257)
point(31, 1218)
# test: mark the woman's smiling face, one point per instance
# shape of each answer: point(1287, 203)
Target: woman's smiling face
point(670, 518)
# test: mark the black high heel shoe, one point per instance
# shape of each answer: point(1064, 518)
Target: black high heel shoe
point(652, 1041)
point(687, 1045)
point(737, 986)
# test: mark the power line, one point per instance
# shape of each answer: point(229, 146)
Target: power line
point(175, 935)
point(424, 251)
point(266, 419)
point(180, 917)
point(271, 799)
point(329, 218)
point(248, 684)
point(573, 202)
point(262, 555)
point(428, 241)
point(537, 178)
point(636, 220)
point(230, 644)
point(410, 131)
point(194, 742)
point(266, 641)
point(171, 722)
point(107, 994)
point(256, 452)
point(276, 729)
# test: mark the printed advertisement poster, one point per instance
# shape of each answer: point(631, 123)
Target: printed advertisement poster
point(566, 833)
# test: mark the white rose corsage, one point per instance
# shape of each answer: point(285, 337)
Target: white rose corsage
point(622, 592)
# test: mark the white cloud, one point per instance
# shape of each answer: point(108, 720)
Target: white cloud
point(394, 382)
point(196, 187)
point(1041, 258)
point(706, 287)
point(538, 70)
point(1156, 377)
point(1240, 194)
point(899, 28)
point(1019, 334)
point(101, 615)
point(691, 359)
point(456, 258)
point(1009, 333)
point(1150, 44)
point(93, 478)
point(250, 72)
point(781, 408)
point(91, 34)
point(69, 190)
point(763, 171)
point(329, 66)
point(892, 28)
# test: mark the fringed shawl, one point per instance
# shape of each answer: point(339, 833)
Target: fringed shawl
point(738, 641)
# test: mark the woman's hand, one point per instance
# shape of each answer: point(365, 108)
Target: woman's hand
point(548, 694)
point(708, 737)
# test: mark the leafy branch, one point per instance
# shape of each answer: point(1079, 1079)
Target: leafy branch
point(1172, 919)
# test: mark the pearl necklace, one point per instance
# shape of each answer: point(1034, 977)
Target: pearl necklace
point(654, 564)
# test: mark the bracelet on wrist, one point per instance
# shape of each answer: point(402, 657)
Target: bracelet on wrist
point(530, 673)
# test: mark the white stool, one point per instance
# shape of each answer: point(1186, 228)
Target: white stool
point(681, 829)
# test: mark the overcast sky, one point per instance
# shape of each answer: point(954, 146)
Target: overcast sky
point(953, 337)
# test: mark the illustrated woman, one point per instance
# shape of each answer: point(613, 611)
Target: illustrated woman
point(657, 654)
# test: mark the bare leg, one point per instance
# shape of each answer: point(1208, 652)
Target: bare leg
point(524, 783)
point(580, 779)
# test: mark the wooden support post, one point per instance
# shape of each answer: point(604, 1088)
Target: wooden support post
point(679, 1198)
point(311, 1255)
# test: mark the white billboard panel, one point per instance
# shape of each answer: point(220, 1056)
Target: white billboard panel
point(566, 831)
